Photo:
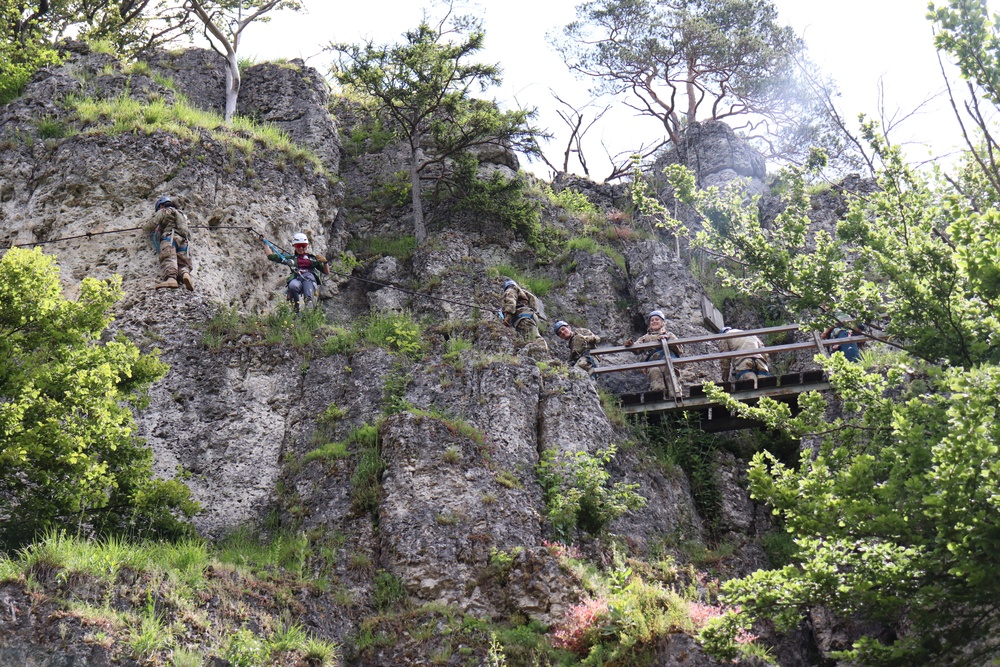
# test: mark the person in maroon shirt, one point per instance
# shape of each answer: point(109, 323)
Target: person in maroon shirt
point(306, 269)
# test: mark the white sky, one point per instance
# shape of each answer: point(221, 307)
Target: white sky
point(858, 42)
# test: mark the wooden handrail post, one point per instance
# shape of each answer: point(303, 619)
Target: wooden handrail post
point(670, 370)
point(823, 349)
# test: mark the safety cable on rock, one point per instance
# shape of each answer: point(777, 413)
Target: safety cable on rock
point(260, 236)
point(403, 289)
point(119, 231)
point(70, 238)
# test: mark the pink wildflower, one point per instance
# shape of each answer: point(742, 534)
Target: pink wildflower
point(580, 629)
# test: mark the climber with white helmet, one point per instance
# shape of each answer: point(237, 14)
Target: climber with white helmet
point(306, 268)
point(521, 310)
point(170, 233)
point(656, 330)
point(581, 342)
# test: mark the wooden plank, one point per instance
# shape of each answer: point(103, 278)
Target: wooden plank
point(655, 402)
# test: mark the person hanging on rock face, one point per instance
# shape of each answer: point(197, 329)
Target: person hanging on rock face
point(304, 279)
point(581, 342)
point(656, 330)
point(170, 234)
point(520, 311)
point(751, 367)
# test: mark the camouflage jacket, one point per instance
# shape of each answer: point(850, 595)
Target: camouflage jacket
point(653, 336)
point(582, 341)
point(750, 344)
point(168, 218)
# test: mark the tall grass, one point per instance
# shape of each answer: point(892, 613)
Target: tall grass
point(537, 285)
point(125, 114)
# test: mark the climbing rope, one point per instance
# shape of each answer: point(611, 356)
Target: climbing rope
point(272, 246)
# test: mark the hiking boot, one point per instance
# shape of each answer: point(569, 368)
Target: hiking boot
point(188, 283)
point(170, 283)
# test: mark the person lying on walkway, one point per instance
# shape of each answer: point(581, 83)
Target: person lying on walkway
point(169, 232)
point(304, 279)
point(581, 342)
point(520, 309)
point(852, 351)
point(656, 330)
point(750, 367)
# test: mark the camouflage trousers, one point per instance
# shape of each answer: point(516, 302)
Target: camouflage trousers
point(174, 259)
point(658, 378)
point(585, 364)
point(750, 368)
point(527, 332)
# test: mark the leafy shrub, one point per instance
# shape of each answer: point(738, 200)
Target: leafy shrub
point(70, 455)
point(368, 137)
point(577, 494)
point(496, 198)
point(394, 192)
point(574, 202)
point(400, 247)
point(341, 341)
point(399, 333)
point(245, 649)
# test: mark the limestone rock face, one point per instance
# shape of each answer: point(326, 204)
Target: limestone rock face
point(105, 183)
point(293, 98)
point(199, 74)
point(713, 151)
point(219, 419)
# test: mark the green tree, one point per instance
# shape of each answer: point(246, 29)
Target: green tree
point(422, 87)
point(68, 454)
point(22, 48)
point(681, 61)
point(894, 506)
point(31, 30)
point(224, 22)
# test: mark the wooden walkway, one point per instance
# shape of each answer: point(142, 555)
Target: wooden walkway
point(714, 417)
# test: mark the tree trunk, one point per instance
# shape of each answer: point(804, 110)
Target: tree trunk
point(232, 84)
point(419, 231)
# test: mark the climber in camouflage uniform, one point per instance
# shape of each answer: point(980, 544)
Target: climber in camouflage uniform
point(520, 311)
point(581, 342)
point(656, 330)
point(170, 233)
point(750, 367)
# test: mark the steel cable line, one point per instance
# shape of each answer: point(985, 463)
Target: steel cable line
point(274, 247)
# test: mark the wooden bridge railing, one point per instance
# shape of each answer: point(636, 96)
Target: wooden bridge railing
point(819, 344)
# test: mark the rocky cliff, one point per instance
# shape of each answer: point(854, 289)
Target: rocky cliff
point(457, 421)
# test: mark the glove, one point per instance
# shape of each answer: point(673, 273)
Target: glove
point(628, 343)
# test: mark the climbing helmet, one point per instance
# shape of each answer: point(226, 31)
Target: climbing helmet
point(559, 325)
point(655, 313)
point(509, 283)
point(161, 202)
point(300, 239)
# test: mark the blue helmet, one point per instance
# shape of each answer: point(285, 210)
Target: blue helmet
point(509, 283)
point(559, 325)
point(655, 313)
point(161, 202)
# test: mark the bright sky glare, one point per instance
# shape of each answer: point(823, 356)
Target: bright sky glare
point(864, 44)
